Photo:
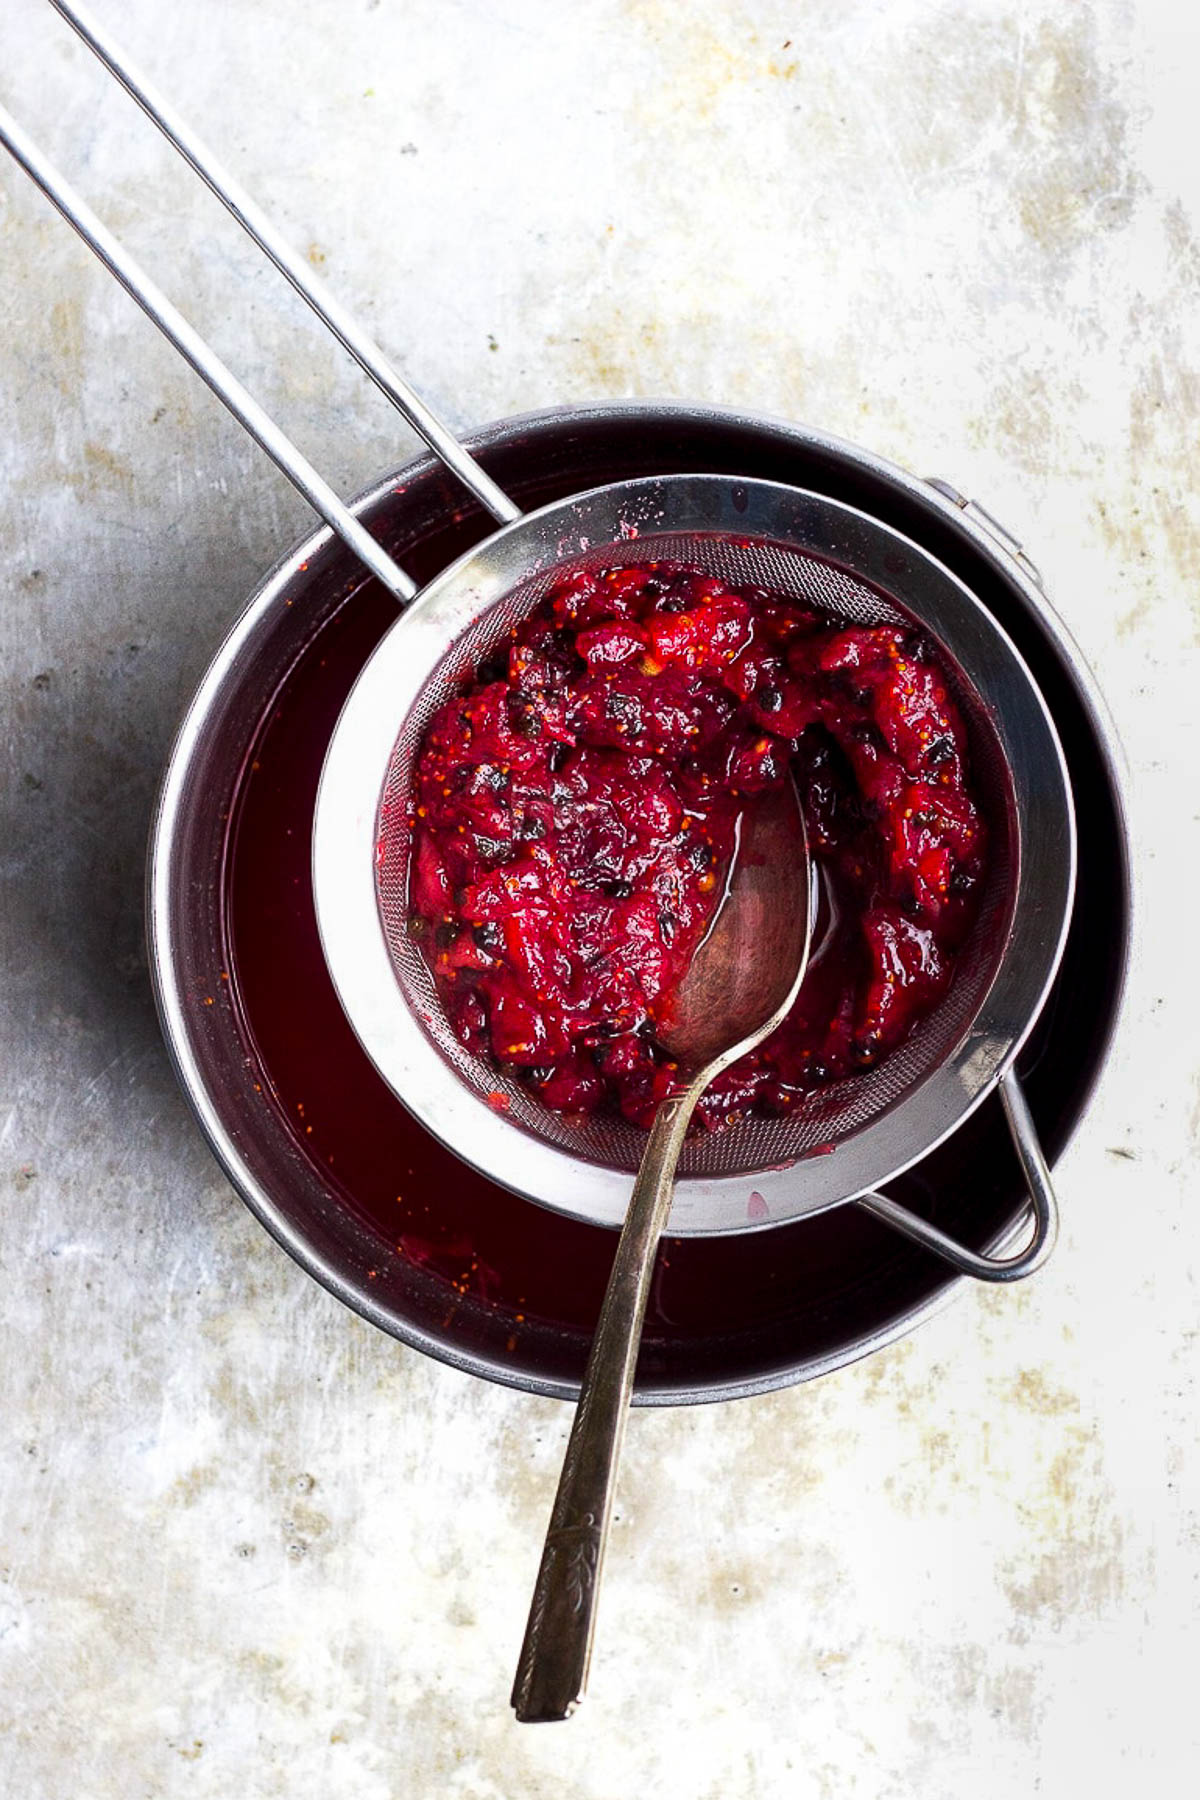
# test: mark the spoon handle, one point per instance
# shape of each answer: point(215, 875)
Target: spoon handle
point(552, 1670)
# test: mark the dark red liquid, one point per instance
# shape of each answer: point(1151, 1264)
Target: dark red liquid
point(516, 1258)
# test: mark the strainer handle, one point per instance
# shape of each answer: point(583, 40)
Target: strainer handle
point(1043, 1205)
point(553, 1665)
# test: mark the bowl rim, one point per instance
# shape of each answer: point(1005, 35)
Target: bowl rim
point(167, 817)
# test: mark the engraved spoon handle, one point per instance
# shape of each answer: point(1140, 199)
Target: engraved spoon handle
point(552, 1670)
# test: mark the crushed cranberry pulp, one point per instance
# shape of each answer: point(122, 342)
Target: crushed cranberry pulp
point(574, 814)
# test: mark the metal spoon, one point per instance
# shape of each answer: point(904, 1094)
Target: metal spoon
point(739, 985)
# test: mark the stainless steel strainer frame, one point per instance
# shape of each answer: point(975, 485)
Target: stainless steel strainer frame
point(360, 964)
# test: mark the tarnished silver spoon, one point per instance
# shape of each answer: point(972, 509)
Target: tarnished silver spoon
point(740, 983)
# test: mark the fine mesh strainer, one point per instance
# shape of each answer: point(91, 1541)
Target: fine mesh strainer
point(829, 1115)
point(847, 1138)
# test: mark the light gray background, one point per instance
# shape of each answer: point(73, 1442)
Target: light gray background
point(250, 1547)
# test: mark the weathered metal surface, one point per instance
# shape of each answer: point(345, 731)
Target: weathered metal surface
point(246, 1543)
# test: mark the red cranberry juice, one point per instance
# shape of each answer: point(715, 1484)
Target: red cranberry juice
point(424, 1204)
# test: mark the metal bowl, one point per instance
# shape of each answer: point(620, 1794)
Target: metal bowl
point(323, 1154)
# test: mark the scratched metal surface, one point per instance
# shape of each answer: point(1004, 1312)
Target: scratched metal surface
point(246, 1544)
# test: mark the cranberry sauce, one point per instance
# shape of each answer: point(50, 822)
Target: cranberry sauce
point(574, 814)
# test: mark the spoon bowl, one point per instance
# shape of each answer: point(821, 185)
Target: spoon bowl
point(746, 971)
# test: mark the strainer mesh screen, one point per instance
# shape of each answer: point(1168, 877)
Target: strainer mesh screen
point(830, 1114)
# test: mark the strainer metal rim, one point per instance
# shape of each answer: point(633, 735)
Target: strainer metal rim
point(345, 825)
